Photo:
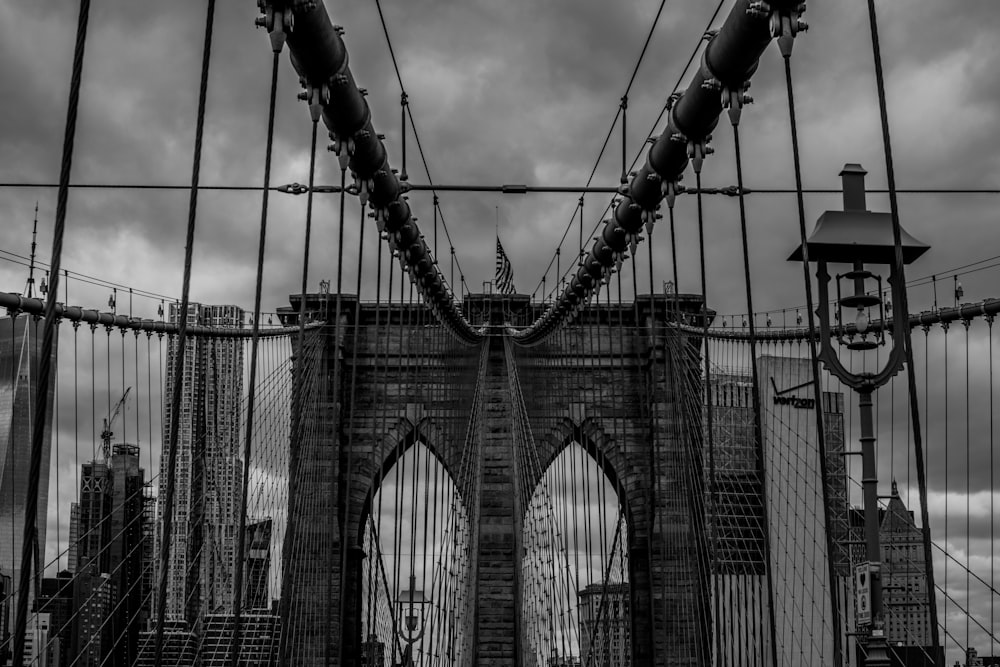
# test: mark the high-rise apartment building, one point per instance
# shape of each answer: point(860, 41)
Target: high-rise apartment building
point(604, 625)
point(208, 473)
point(20, 360)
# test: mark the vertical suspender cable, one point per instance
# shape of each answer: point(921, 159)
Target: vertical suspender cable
point(337, 396)
point(296, 418)
point(624, 108)
point(786, 52)
point(758, 430)
point(252, 390)
point(709, 427)
point(918, 446)
point(175, 399)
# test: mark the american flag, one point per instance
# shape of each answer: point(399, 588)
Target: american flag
point(505, 276)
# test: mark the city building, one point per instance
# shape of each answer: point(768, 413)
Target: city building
point(109, 554)
point(180, 646)
point(20, 360)
point(6, 605)
point(604, 625)
point(904, 576)
point(258, 565)
point(973, 659)
point(372, 652)
point(94, 598)
point(906, 607)
point(208, 471)
point(129, 556)
point(148, 545)
point(258, 642)
point(36, 640)
point(743, 470)
point(56, 602)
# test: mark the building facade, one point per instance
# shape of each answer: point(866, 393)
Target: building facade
point(56, 602)
point(257, 569)
point(208, 473)
point(20, 360)
point(604, 625)
point(905, 603)
point(744, 468)
point(907, 609)
point(109, 555)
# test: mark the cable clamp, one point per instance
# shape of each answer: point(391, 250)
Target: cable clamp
point(293, 189)
point(341, 146)
point(670, 191)
point(363, 187)
point(314, 97)
point(734, 99)
point(697, 151)
point(785, 25)
point(278, 18)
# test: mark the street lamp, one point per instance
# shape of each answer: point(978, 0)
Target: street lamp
point(411, 616)
point(857, 236)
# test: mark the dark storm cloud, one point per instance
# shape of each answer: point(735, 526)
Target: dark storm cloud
point(513, 92)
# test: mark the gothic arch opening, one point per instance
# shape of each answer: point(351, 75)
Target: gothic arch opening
point(574, 582)
point(415, 535)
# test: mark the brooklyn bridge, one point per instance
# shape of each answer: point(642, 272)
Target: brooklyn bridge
point(723, 395)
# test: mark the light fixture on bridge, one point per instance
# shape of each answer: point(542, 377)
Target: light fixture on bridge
point(857, 236)
point(411, 605)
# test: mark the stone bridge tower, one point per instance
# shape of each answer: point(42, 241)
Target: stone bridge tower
point(616, 381)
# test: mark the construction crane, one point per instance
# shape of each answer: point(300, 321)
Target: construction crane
point(109, 421)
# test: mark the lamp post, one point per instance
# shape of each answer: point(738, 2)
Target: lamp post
point(857, 236)
point(411, 615)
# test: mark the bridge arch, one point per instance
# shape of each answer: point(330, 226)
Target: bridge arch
point(576, 537)
point(399, 440)
point(412, 533)
point(606, 452)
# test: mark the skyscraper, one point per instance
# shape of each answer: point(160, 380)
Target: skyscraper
point(749, 480)
point(907, 609)
point(109, 556)
point(905, 602)
point(20, 359)
point(208, 475)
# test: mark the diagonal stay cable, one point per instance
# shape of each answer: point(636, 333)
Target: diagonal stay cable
point(40, 417)
point(413, 125)
point(659, 117)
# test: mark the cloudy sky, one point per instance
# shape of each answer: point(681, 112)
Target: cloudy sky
point(512, 92)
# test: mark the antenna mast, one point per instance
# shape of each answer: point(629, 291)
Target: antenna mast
point(30, 287)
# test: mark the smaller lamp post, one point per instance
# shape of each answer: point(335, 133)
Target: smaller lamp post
point(857, 236)
point(411, 615)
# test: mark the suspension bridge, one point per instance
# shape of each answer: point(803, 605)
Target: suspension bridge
point(624, 466)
